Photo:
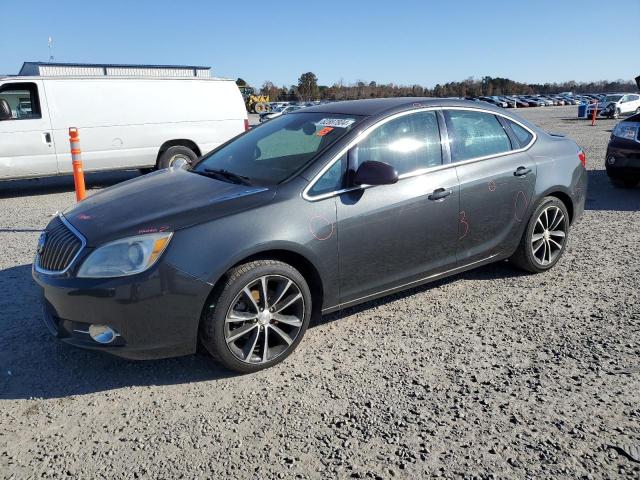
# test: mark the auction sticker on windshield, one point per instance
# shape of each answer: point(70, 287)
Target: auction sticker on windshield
point(336, 122)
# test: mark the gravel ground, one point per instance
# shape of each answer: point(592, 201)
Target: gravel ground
point(489, 374)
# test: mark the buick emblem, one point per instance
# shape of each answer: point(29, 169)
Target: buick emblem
point(41, 241)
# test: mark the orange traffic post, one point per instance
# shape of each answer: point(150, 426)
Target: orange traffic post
point(593, 114)
point(76, 159)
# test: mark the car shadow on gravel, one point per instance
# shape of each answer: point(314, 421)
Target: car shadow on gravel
point(61, 184)
point(602, 195)
point(33, 364)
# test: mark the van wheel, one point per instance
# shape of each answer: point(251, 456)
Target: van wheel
point(177, 157)
point(616, 113)
point(257, 317)
point(545, 238)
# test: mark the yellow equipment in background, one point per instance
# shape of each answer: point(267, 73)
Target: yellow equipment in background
point(254, 103)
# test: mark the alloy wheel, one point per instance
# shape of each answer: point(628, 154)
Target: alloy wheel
point(264, 319)
point(549, 235)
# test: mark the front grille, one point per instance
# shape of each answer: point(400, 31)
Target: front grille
point(61, 245)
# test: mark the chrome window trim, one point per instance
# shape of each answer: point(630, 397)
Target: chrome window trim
point(83, 242)
point(365, 133)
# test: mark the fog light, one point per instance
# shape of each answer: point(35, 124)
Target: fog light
point(611, 160)
point(102, 333)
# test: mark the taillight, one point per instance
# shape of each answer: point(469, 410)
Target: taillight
point(246, 124)
point(583, 158)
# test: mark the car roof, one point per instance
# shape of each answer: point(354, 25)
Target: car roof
point(377, 106)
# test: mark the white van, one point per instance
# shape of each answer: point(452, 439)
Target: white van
point(127, 116)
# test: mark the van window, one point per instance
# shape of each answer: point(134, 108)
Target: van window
point(23, 100)
point(475, 134)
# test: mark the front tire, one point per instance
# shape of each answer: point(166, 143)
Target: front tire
point(545, 238)
point(257, 317)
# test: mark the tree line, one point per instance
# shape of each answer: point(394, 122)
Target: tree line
point(307, 89)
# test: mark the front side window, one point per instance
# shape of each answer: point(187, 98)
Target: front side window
point(275, 150)
point(22, 99)
point(475, 134)
point(332, 179)
point(408, 143)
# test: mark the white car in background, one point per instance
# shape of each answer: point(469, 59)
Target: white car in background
point(615, 105)
point(279, 111)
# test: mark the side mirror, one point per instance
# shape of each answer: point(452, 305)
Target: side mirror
point(375, 173)
point(5, 110)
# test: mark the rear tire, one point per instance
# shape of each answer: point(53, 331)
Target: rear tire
point(178, 156)
point(274, 322)
point(545, 238)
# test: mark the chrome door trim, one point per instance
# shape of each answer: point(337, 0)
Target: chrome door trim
point(365, 133)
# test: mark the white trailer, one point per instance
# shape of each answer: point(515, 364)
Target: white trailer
point(129, 116)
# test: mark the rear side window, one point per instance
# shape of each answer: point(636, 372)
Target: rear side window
point(408, 143)
point(523, 135)
point(475, 134)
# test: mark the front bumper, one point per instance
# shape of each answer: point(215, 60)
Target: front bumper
point(626, 155)
point(155, 313)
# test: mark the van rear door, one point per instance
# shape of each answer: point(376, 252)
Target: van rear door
point(27, 146)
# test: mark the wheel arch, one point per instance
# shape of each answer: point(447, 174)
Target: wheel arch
point(296, 259)
point(564, 196)
point(179, 142)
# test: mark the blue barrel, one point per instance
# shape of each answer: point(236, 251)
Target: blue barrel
point(582, 110)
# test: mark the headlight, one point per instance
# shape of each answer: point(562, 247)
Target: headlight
point(127, 256)
point(626, 130)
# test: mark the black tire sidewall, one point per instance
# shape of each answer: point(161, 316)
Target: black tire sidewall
point(531, 261)
point(212, 330)
point(165, 158)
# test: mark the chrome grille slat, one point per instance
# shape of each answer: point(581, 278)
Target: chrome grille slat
point(62, 245)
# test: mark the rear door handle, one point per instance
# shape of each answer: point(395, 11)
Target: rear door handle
point(522, 171)
point(440, 193)
point(47, 137)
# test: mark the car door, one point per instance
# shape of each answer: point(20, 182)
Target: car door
point(391, 235)
point(497, 180)
point(26, 142)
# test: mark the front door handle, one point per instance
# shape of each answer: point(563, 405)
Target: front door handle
point(47, 137)
point(440, 193)
point(522, 171)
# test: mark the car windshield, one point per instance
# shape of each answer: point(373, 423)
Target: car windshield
point(272, 152)
point(612, 98)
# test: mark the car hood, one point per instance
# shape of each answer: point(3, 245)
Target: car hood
point(166, 200)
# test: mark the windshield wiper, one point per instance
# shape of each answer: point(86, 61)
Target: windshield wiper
point(226, 175)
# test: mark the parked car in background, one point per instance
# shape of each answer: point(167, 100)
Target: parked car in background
point(520, 103)
point(278, 112)
point(614, 105)
point(129, 116)
point(534, 101)
point(623, 153)
point(493, 101)
point(315, 211)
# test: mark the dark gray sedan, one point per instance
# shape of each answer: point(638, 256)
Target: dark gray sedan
point(308, 213)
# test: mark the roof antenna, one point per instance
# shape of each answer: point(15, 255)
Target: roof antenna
point(50, 49)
